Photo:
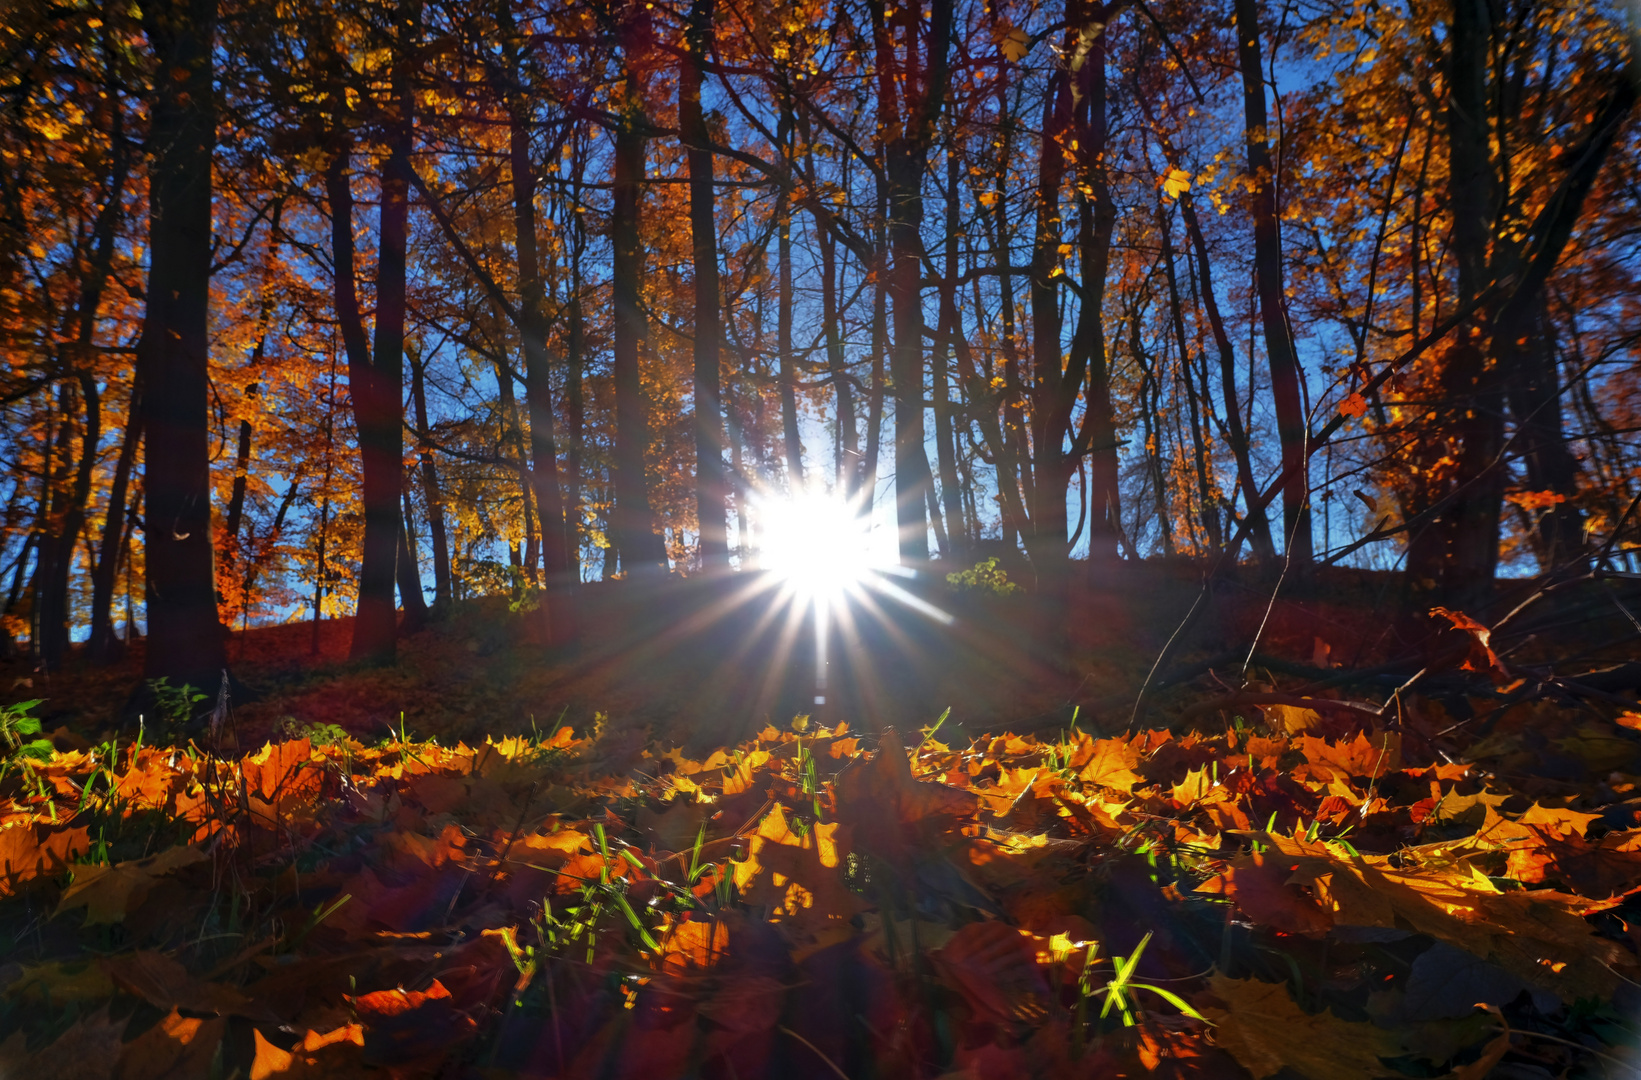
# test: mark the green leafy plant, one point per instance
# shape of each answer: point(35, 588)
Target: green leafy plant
point(174, 705)
point(317, 734)
point(16, 725)
point(985, 576)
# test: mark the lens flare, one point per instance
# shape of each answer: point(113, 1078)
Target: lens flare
point(817, 544)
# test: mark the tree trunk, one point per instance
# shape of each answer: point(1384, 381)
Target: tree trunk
point(641, 547)
point(1279, 347)
point(430, 487)
point(185, 639)
point(1259, 527)
point(951, 325)
point(1050, 468)
point(538, 391)
point(710, 493)
point(1097, 220)
point(102, 646)
point(847, 437)
point(409, 575)
point(1207, 512)
point(911, 107)
point(788, 383)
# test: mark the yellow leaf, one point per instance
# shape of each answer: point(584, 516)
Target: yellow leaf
point(1176, 183)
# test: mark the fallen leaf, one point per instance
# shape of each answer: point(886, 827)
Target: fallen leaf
point(176, 1048)
point(1266, 1032)
point(108, 893)
point(1111, 765)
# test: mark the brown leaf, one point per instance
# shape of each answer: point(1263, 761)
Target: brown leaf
point(165, 983)
point(884, 803)
point(89, 1050)
point(1259, 885)
point(1266, 1032)
point(109, 892)
point(994, 967)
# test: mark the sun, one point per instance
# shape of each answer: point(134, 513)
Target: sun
point(818, 545)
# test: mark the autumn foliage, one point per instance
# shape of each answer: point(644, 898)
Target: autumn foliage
point(1342, 902)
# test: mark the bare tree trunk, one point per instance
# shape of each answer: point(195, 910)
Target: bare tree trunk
point(431, 491)
point(102, 645)
point(377, 384)
point(1097, 221)
point(1050, 468)
point(951, 325)
point(1279, 347)
point(788, 382)
point(410, 579)
point(709, 421)
point(911, 104)
point(1259, 529)
point(641, 547)
point(1207, 512)
point(185, 639)
point(847, 438)
point(532, 325)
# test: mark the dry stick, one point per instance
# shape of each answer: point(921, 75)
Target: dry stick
point(1203, 708)
point(1440, 331)
point(829, 1062)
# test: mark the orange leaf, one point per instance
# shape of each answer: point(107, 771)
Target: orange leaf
point(176, 1048)
point(1111, 765)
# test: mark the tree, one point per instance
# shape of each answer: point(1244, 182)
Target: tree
point(185, 639)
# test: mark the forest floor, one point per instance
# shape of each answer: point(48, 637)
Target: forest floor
point(630, 859)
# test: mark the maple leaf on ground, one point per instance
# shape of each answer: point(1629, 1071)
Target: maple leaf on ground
point(1111, 764)
point(1610, 866)
point(277, 770)
point(1258, 883)
point(889, 810)
point(29, 851)
point(176, 1048)
point(695, 944)
point(163, 982)
point(88, 1050)
point(1262, 1027)
point(799, 878)
point(332, 1055)
point(994, 967)
point(402, 1026)
point(108, 893)
point(1538, 936)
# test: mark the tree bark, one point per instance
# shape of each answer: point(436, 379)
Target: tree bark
point(431, 491)
point(538, 392)
point(710, 489)
point(185, 638)
point(951, 325)
point(911, 94)
point(102, 646)
point(641, 548)
point(1259, 526)
point(409, 574)
point(1279, 346)
point(1097, 221)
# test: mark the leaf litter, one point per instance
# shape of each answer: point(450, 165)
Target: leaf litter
point(1334, 902)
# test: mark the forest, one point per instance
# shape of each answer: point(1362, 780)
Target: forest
point(497, 494)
